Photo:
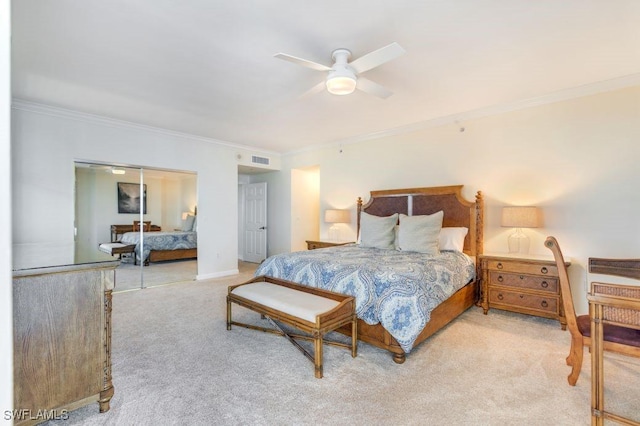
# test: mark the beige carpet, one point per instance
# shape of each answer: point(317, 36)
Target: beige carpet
point(130, 276)
point(174, 362)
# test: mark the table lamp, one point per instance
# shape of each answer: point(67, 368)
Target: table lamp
point(336, 217)
point(519, 217)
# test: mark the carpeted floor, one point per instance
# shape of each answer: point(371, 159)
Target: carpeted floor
point(174, 362)
point(130, 276)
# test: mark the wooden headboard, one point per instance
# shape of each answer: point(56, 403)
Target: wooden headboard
point(420, 201)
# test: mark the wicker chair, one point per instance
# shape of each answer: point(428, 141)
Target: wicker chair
point(609, 304)
point(617, 338)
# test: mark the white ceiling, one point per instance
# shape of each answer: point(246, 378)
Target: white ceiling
point(206, 67)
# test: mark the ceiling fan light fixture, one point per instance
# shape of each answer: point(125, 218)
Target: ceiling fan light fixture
point(341, 83)
point(117, 171)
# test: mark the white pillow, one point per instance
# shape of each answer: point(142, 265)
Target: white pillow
point(377, 231)
point(195, 224)
point(420, 233)
point(187, 224)
point(452, 238)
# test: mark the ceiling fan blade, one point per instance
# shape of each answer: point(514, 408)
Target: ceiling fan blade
point(377, 57)
point(373, 88)
point(303, 62)
point(315, 89)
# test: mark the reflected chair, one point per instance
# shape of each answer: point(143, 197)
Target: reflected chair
point(146, 226)
point(616, 338)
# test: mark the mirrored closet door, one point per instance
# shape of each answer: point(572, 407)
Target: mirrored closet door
point(137, 213)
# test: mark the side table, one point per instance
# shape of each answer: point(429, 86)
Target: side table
point(312, 245)
point(523, 284)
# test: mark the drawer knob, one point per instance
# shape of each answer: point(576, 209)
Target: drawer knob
point(544, 270)
point(544, 284)
point(522, 277)
point(500, 279)
point(544, 304)
point(500, 296)
point(499, 265)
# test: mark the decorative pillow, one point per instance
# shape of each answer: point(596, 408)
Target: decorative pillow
point(395, 237)
point(420, 233)
point(187, 224)
point(195, 224)
point(377, 231)
point(452, 238)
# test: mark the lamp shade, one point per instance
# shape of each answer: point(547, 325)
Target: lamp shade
point(337, 216)
point(520, 217)
point(341, 82)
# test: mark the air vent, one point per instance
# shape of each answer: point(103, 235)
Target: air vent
point(259, 160)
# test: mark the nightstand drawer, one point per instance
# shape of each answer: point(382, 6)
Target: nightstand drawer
point(315, 245)
point(312, 245)
point(532, 282)
point(525, 301)
point(522, 268)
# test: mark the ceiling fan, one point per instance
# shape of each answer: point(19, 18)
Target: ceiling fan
point(344, 77)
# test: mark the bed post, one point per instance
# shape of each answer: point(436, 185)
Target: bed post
point(359, 210)
point(479, 224)
point(479, 244)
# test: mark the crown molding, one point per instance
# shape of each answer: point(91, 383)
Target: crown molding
point(38, 108)
point(558, 96)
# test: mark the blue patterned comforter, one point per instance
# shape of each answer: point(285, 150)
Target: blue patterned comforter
point(394, 288)
point(161, 241)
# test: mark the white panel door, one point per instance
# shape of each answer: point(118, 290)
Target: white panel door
point(255, 222)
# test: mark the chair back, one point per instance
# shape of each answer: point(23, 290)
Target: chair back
point(565, 287)
point(146, 226)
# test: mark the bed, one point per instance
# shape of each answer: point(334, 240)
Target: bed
point(159, 246)
point(402, 297)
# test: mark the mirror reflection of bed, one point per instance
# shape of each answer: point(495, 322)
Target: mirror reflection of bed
point(170, 195)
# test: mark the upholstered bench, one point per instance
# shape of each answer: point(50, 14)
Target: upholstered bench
point(117, 248)
point(311, 310)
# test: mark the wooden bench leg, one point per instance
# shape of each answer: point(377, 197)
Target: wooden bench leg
point(354, 338)
point(228, 314)
point(317, 356)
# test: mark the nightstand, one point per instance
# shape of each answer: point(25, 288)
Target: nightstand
point(527, 284)
point(312, 245)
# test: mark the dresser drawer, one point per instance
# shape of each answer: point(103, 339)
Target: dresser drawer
point(532, 282)
point(527, 301)
point(522, 268)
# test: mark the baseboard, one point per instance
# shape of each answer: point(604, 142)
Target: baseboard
point(217, 274)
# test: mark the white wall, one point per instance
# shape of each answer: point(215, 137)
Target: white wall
point(47, 142)
point(305, 207)
point(6, 298)
point(576, 159)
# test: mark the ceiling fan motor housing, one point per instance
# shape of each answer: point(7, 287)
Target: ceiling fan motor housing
point(342, 78)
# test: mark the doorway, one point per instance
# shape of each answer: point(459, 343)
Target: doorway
point(168, 195)
point(255, 222)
